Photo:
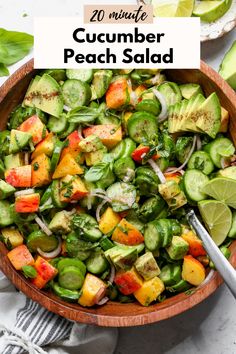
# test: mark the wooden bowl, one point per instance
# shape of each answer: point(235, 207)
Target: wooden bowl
point(115, 314)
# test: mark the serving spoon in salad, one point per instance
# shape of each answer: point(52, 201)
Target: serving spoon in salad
point(225, 269)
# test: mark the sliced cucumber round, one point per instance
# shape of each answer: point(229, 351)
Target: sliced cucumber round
point(65, 262)
point(76, 93)
point(200, 160)
point(194, 180)
point(122, 195)
point(65, 294)
point(58, 125)
point(97, 263)
point(71, 278)
point(38, 239)
point(85, 75)
point(142, 127)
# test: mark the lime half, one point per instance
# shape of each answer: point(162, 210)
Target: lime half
point(210, 11)
point(223, 189)
point(217, 218)
point(172, 8)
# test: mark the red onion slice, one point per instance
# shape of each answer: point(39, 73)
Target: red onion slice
point(66, 108)
point(164, 109)
point(51, 254)
point(157, 170)
point(43, 226)
point(100, 295)
point(98, 210)
point(24, 192)
point(187, 159)
point(112, 274)
point(103, 301)
point(198, 143)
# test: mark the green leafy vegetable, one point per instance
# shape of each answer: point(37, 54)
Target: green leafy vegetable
point(3, 70)
point(14, 46)
point(95, 173)
point(29, 271)
point(83, 114)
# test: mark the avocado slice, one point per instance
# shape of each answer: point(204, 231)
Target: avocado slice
point(14, 160)
point(60, 223)
point(228, 68)
point(5, 189)
point(210, 116)
point(100, 83)
point(18, 140)
point(178, 248)
point(45, 93)
point(91, 143)
point(190, 90)
point(122, 258)
point(146, 266)
point(229, 172)
point(192, 115)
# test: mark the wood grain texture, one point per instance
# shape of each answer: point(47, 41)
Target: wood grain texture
point(115, 314)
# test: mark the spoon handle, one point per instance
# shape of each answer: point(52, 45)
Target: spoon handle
point(225, 269)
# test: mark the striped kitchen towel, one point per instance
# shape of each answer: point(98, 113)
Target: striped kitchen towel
point(26, 327)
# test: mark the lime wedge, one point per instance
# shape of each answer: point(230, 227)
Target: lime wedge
point(185, 8)
point(210, 11)
point(172, 8)
point(217, 218)
point(223, 189)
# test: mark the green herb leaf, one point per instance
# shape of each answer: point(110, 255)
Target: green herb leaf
point(83, 114)
point(14, 46)
point(29, 272)
point(3, 70)
point(95, 173)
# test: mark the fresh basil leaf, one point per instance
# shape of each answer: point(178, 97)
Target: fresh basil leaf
point(3, 70)
point(83, 114)
point(95, 173)
point(14, 46)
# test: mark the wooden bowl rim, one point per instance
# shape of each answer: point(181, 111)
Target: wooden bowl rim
point(116, 315)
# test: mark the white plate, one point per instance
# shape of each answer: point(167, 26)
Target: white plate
point(215, 29)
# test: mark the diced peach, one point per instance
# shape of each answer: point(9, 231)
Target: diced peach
point(46, 146)
point(128, 282)
point(67, 166)
point(109, 134)
point(35, 127)
point(41, 175)
point(20, 256)
point(149, 291)
point(73, 147)
point(193, 271)
point(27, 203)
point(195, 244)
point(92, 290)
point(109, 220)
point(19, 176)
point(127, 234)
point(74, 189)
point(118, 93)
point(45, 272)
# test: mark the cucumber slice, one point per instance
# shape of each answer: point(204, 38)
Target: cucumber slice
point(171, 92)
point(97, 263)
point(194, 180)
point(106, 243)
point(122, 195)
point(76, 93)
point(200, 160)
point(232, 231)
point(65, 294)
point(165, 225)
point(6, 214)
point(150, 106)
point(171, 274)
point(118, 150)
point(71, 278)
point(46, 195)
point(142, 126)
point(59, 145)
point(130, 146)
point(40, 239)
point(180, 287)
point(153, 236)
point(221, 147)
point(71, 127)
point(56, 195)
point(65, 262)
point(85, 75)
point(57, 125)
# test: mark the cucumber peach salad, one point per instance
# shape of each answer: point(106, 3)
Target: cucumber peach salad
point(98, 168)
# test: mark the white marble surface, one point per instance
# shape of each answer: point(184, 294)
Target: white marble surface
point(209, 328)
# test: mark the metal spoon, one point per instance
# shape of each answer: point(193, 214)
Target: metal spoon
point(225, 269)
